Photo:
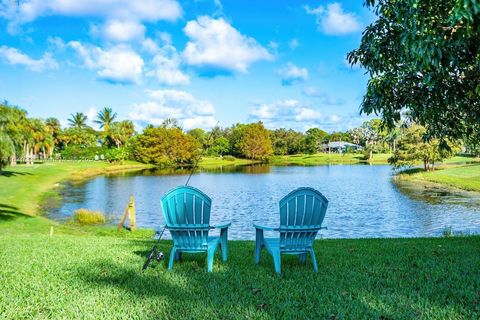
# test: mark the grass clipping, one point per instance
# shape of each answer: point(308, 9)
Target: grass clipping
point(85, 216)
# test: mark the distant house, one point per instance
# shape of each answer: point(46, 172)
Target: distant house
point(342, 146)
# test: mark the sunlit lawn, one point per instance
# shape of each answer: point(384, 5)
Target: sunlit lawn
point(93, 273)
point(326, 158)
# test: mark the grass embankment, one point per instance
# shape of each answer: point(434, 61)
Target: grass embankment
point(92, 277)
point(325, 158)
point(450, 174)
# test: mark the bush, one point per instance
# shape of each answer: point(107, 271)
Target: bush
point(75, 152)
point(229, 158)
point(85, 216)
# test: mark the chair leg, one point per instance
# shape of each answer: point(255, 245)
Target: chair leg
point(172, 258)
point(302, 257)
point(223, 243)
point(277, 261)
point(314, 260)
point(210, 256)
point(258, 245)
point(178, 256)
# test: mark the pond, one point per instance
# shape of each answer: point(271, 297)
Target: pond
point(364, 201)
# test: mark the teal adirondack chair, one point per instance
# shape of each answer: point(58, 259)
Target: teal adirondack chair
point(301, 216)
point(187, 216)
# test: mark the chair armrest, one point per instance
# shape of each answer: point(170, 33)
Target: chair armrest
point(222, 225)
point(265, 228)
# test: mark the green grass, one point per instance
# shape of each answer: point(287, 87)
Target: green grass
point(465, 177)
point(85, 216)
point(94, 272)
point(325, 158)
point(93, 277)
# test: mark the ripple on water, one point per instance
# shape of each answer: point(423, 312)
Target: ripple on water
point(363, 200)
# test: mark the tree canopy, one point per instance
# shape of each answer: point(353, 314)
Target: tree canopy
point(423, 57)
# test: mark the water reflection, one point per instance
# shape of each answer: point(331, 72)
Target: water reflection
point(364, 201)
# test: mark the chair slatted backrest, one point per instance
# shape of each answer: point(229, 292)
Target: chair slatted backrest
point(301, 215)
point(187, 215)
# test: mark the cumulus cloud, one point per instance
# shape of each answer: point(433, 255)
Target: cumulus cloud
point(170, 103)
point(123, 30)
point(323, 97)
point(15, 57)
point(216, 47)
point(332, 20)
point(118, 64)
point(165, 65)
point(286, 113)
point(292, 74)
point(119, 14)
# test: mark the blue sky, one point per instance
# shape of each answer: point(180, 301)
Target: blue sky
point(281, 62)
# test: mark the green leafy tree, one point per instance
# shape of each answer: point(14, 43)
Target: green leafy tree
point(105, 118)
point(78, 120)
point(414, 146)
point(165, 147)
point(219, 147)
point(313, 140)
point(199, 135)
point(121, 132)
point(254, 141)
point(423, 57)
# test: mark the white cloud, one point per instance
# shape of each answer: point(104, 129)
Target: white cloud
point(286, 113)
point(333, 20)
point(123, 30)
point(145, 10)
point(181, 105)
point(165, 63)
point(15, 57)
point(119, 64)
point(323, 97)
point(216, 47)
point(126, 11)
point(292, 74)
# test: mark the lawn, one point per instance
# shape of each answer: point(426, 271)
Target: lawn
point(466, 177)
point(325, 158)
point(95, 273)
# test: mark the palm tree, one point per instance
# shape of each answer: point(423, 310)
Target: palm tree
point(105, 118)
point(78, 120)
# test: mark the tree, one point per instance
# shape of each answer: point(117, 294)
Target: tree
point(254, 141)
point(413, 146)
point(199, 135)
point(422, 56)
point(314, 138)
point(6, 144)
point(105, 118)
point(121, 132)
point(219, 147)
point(165, 147)
point(78, 120)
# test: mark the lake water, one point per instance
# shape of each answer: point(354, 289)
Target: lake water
point(364, 202)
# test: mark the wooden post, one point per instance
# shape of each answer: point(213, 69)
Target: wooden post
point(131, 214)
point(130, 210)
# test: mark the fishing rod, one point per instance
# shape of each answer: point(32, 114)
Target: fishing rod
point(159, 255)
point(200, 156)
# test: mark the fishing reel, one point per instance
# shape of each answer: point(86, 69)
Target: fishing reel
point(155, 254)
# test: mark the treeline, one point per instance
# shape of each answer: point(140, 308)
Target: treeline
point(24, 139)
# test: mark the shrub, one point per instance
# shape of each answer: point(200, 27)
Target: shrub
point(85, 216)
point(229, 158)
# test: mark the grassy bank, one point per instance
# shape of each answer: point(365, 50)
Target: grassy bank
point(325, 158)
point(79, 274)
point(451, 174)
